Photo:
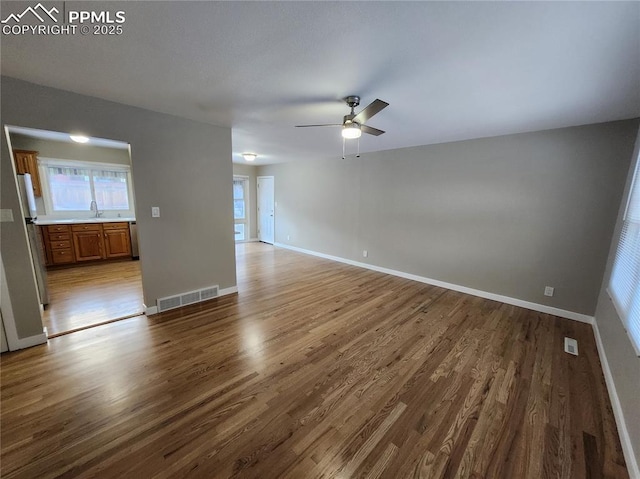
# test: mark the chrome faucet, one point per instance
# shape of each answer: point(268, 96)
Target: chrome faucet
point(94, 207)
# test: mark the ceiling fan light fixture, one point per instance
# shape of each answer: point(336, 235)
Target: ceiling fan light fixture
point(249, 156)
point(351, 131)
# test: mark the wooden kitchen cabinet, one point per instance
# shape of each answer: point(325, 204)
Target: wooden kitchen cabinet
point(117, 240)
point(88, 242)
point(79, 242)
point(27, 162)
point(57, 244)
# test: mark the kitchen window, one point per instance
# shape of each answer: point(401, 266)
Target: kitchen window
point(240, 202)
point(71, 186)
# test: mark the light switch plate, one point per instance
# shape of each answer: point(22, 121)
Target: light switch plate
point(155, 212)
point(6, 216)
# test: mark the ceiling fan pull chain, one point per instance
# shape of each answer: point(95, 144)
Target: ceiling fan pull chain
point(358, 155)
point(343, 142)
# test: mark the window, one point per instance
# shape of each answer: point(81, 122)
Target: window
point(71, 186)
point(240, 214)
point(624, 285)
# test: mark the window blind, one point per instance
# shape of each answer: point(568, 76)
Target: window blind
point(624, 285)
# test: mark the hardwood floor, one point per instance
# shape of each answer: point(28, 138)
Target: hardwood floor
point(315, 369)
point(90, 294)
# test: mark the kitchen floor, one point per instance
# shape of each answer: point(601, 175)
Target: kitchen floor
point(91, 294)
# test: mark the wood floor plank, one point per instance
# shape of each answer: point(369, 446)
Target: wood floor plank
point(84, 295)
point(315, 369)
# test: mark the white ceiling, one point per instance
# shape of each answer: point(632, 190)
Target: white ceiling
point(450, 70)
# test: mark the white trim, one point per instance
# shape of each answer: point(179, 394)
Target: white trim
point(87, 165)
point(13, 341)
point(227, 291)
point(621, 318)
point(247, 213)
point(250, 240)
point(583, 318)
point(151, 310)
point(625, 440)
point(32, 340)
point(45, 163)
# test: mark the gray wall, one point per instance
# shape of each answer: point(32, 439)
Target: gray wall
point(182, 166)
point(622, 360)
point(251, 172)
point(506, 215)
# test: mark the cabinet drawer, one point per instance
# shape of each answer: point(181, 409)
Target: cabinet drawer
point(87, 227)
point(59, 237)
point(61, 245)
point(115, 226)
point(57, 229)
point(61, 256)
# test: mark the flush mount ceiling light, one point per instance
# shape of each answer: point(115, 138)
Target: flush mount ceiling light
point(79, 138)
point(249, 156)
point(351, 130)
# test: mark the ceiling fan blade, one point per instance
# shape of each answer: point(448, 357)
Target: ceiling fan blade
point(328, 124)
point(374, 107)
point(370, 130)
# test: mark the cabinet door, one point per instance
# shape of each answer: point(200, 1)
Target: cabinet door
point(21, 161)
point(88, 245)
point(27, 162)
point(117, 243)
point(32, 166)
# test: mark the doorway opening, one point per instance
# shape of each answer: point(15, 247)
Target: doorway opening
point(78, 205)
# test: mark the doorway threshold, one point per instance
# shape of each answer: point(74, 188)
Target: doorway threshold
point(95, 325)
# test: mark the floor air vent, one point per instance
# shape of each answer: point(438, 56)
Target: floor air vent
point(571, 346)
point(171, 302)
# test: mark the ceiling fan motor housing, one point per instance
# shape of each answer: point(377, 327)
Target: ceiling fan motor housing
point(348, 119)
point(353, 101)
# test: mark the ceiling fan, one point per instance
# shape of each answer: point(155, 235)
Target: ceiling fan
point(352, 124)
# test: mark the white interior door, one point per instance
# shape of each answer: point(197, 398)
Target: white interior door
point(266, 210)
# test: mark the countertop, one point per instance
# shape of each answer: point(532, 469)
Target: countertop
point(67, 221)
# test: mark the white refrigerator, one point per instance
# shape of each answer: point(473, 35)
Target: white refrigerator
point(25, 189)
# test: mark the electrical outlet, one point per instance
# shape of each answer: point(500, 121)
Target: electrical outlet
point(548, 291)
point(288, 237)
point(365, 253)
point(155, 212)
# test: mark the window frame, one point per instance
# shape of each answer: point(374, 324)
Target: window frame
point(244, 221)
point(91, 166)
point(626, 316)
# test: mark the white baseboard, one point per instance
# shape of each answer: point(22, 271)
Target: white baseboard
point(151, 310)
point(22, 343)
point(625, 440)
point(583, 318)
point(226, 291)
